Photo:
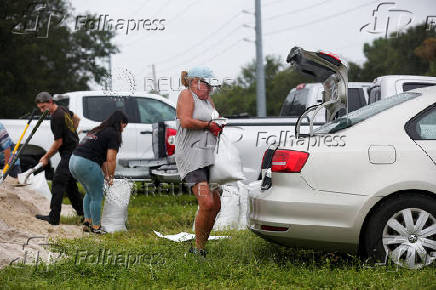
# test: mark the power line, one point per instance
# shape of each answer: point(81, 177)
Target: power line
point(186, 9)
point(224, 50)
point(227, 22)
point(138, 10)
point(272, 3)
point(319, 20)
point(161, 8)
point(208, 47)
point(296, 11)
point(147, 35)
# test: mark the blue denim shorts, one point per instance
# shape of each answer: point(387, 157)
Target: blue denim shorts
point(197, 176)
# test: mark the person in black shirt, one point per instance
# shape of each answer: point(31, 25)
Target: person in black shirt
point(63, 125)
point(93, 161)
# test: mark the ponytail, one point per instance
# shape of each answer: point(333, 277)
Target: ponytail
point(184, 79)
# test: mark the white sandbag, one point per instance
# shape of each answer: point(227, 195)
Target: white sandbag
point(117, 200)
point(39, 184)
point(228, 217)
point(243, 205)
point(228, 166)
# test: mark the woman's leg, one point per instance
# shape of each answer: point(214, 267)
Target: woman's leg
point(96, 190)
point(89, 174)
point(209, 206)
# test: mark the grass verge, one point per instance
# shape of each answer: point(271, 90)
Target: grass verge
point(137, 258)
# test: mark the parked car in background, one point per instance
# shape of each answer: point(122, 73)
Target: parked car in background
point(305, 95)
point(376, 194)
point(386, 86)
point(136, 153)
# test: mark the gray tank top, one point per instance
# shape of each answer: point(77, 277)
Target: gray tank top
point(195, 147)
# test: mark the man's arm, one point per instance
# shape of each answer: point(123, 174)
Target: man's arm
point(52, 151)
point(76, 121)
point(7, 155)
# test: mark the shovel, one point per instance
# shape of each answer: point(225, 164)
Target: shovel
point(16, 156)
point(23, 177)
point(19, 141)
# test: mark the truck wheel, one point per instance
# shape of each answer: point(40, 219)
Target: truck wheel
point(27, 162)
point(403, 230)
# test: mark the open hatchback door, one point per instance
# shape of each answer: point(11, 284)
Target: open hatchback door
point(328, 69)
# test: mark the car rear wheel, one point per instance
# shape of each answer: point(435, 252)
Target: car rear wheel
point(403, 230)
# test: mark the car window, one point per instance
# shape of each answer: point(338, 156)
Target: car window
point(412, 86)
point(426, 126)
point(153, 111)
point(374, 95)
point(365, 113)
point(356, 99)
point(295, 103)
point(65, 102)
point(99, 108)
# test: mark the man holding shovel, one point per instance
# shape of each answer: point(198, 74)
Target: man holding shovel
point(63, 125)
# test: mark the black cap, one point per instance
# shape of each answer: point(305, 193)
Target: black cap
point(43, 97)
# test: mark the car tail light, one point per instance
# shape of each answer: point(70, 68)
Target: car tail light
point(170, 140)
point(288, 161)
point(273, 228)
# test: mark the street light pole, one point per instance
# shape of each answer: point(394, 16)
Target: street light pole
point(260, 73)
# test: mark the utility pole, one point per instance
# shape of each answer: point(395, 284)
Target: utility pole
point(260, 72)
point(153, 71)
point(110, 71)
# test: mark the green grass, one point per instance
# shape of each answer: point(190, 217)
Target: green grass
point(244, 261)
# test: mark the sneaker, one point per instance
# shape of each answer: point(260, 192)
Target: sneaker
point(197, 252)
point(47, 219)
point(98, 231)
point(86, 227)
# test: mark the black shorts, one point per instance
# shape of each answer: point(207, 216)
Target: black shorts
point(197, 176)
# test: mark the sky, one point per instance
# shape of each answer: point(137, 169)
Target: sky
point(220, 34)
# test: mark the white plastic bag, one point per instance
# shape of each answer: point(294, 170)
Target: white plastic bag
point(117, 200)
point(228, 217)
point(228, 166)
point(39, 184)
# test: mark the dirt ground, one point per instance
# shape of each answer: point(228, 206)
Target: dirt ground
point(23, 238)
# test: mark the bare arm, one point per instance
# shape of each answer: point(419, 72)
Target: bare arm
point(52, 151)
point(7, 154)
point(108, 167)
point(76, 121)
point(185, 108)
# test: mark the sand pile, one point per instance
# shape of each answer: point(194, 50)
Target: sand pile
point(23, 238)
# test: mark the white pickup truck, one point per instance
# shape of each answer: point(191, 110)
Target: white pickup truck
point(386, 86)
point(252, 136)
point(135, 157)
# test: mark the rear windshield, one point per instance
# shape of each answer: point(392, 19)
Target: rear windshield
point(412, 86)
point(364, 113)
point(295, 103)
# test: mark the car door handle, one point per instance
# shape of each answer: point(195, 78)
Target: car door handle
point(146, 132)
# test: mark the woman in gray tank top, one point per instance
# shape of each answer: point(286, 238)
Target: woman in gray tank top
point(195, 143)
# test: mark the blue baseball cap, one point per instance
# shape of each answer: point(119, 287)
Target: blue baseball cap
point(202, 72)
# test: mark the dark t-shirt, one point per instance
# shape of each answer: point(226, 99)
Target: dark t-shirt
point(62, 126)
point(94, 146)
